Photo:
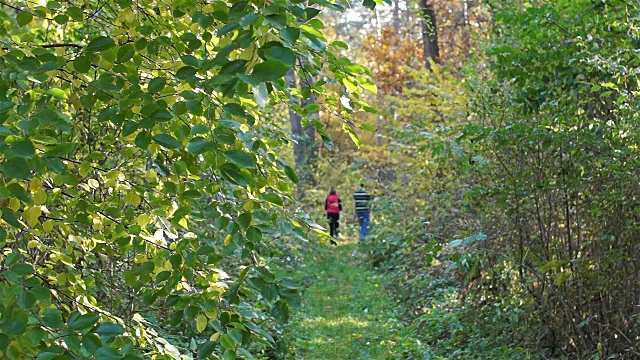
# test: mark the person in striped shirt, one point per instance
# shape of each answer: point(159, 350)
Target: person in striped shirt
point(361, 199)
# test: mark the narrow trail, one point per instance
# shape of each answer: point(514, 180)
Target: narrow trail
point(346, 313)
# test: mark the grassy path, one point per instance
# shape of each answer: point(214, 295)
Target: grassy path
point(346, 313)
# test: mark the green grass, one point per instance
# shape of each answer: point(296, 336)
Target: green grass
point(346, 313)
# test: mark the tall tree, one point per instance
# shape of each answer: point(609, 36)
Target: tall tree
point(429, 32)
point(303, 134)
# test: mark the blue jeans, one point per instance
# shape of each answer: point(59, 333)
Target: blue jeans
point(363, 221)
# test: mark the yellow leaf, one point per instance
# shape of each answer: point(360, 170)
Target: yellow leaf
point(143, 220)
point(105, 63)
point(129, 16)
point(14, 204)
point(110, 183)
point(31, 215)
point(201, 323)
point(227, 239)
point(94, 184)
point(85, 168)
point(48, 225)
point(33, 244)
point(132, 198)
point(211, 313)
point(35, 185)
point(39, 197)
point(151, 176)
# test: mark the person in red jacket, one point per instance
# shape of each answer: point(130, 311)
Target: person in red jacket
point(333, 206)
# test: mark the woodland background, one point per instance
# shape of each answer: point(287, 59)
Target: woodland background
point(164, 165)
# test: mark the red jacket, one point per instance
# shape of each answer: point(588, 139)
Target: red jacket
point(332, 204)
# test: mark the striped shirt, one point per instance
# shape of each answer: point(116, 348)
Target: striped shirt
point(361, 198)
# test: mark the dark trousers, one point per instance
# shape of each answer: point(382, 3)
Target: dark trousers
point(333, 223)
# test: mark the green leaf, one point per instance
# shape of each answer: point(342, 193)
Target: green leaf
point(24, 148)
point(143, 139)
point(109, 329)
point(370, 4)
point(57, 93)
point(368, 85)
point(268, 70)
point(190, 60)
point(125, 53)
point(206, 349)
point(167, 141)
point(43, 295)
point(26, 300)
point(75, 13)
point(261, 94)
point(227, 28)
point(82, 64)
point(52, 318)
point(61, 19)
point(24, 18)
point(340, 44)
point(6, 106)
point(16, 168)
point(233, 174)
point(352, 134)
point(367, 127)
point(91, 342)
point(227, 342)
point(200, 129)
point(60, 149)
point(23, 269)
point(161, 115)
point(56, 165)
point(18, 192)
point(273, 198)
point(291, 173)
point(198, 145)
point(290, 34)
point(80, 322)
point(201, 323)
point(13, 327)
point(107, 353)
point(254, 234)
point(156, 85)
point(246, 353)
point(280, 311)
point(10, 217)
point(282, 54)
point(186, 72)
point(240, 158)
point(101, 43)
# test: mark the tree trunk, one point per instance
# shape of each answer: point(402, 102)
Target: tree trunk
point(296, 125)
point(465, 12)
point(429, 32)
point(304, 136)
point(396, 15)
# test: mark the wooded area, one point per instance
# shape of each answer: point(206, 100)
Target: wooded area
point(164, 164)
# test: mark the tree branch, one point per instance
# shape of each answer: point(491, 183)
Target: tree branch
point(47, 46)
point(11, 6)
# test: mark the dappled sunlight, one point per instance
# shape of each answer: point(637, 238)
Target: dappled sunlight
point(344, 321)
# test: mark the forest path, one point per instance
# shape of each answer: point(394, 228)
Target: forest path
point(346, 313)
